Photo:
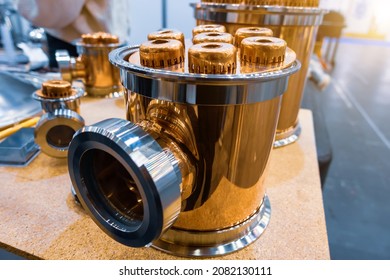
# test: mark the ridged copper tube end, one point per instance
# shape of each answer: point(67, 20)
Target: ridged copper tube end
point(208, 37)
point(262, 50)
point(212, 58)
point(167, 34)
point(161, 53)
point(207, 28)
point(55, 89)
point(99, 38)
point(246, 32)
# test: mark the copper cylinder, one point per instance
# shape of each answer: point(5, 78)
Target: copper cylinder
point(161, 53)
point(212, 58)
point(208, 28)
point(263, 50)
point(92, 66)
point(208, 37)
point(252, 31)
point(167, 34)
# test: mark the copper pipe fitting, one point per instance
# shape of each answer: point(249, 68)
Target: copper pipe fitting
point(167, 34)
point(56, 89)
point(207, 28)
point(253, 31)
point(217, 37)
point(262, 50)
point(100, 78)
point(212, 58)
point(161, 53)
point(61, 119)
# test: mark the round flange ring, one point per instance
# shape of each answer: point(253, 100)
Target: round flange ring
point(125, 181)
point(288, 137)
point(55, 130)
point(216, 243)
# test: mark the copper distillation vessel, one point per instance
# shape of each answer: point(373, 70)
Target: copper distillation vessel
point(185, 172)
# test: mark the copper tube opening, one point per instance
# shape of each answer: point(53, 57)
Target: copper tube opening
point(159, 42)
point(60, 136)
point(211, 46)
point(263, 41)
point(114, 186)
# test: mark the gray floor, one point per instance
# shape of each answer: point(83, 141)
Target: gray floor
point(356, 109)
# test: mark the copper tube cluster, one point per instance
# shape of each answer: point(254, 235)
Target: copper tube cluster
point(61, 119)
point(185, 172)
point(92, 66)
point(295, 21)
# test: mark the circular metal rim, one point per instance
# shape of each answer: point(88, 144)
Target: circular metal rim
point(79, 43)
point(266, 9)
point(116, 57)
point(99, 136)
point(287, 137)
point(234, 238)
point(50, 120)
point(79, 92)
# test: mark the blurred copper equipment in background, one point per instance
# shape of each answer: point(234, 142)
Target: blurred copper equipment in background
point(92, 66)
point(295, 21)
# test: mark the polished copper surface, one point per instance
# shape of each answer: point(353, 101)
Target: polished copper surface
point(212, 58)
point(209, 37)
point(167, 34)
point(100, 78)
point(208, 28)
point(230, 156)
point(55, 89)
point(161, 53)
point(251, 31)
point(262, 50)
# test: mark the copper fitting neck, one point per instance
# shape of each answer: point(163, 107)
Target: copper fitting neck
point(161, 53)
point(207, 28)
point(262, 50)
point(56, 89)
point(212, 58)
point(246, 32)
point(217, 37)
point(99, 38)
point(167, 34)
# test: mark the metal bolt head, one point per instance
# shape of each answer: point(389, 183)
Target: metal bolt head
point(167, 34)
point(207, 28)
point(246, 32)
point(161, 53)
point(212, 58)
point(208, 37)
point(55, 89)
point(262, 50)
